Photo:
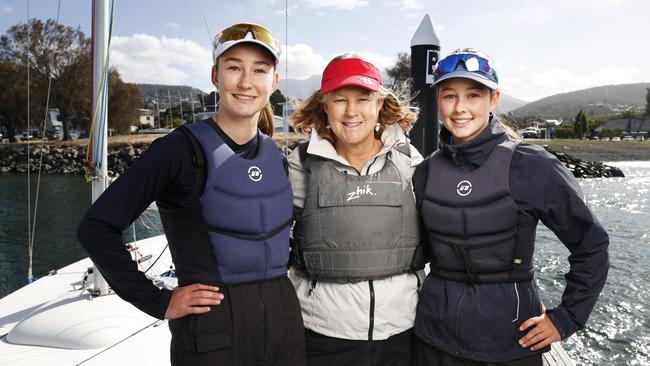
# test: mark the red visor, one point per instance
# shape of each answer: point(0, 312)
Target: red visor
point(350, 71)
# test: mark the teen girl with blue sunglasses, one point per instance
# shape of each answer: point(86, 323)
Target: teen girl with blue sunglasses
point(480, 197)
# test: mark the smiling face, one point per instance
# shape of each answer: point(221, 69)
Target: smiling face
point(352, 114)
point(465, 107)
point(245, 77)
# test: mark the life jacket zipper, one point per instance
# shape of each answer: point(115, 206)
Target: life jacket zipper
point(371, 326)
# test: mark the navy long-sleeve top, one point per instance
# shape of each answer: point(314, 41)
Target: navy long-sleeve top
point(165, 173)
point(542, 187)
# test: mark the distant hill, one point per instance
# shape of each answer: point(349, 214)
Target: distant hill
point(509, 103)
point(302, 89)
point(598, 101)
point(294, 88)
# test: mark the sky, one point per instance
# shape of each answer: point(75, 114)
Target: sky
point(539, 48)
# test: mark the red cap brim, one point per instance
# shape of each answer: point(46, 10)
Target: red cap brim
point(350, 71)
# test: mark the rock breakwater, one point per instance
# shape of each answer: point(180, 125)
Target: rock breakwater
point(70, 160)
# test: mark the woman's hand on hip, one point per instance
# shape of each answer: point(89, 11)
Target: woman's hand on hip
point(192, 299)
point(541, 332)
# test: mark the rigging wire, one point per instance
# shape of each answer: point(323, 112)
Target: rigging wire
point(205, 21)
point(30, 276)
point(210, 40)
point(40, 162)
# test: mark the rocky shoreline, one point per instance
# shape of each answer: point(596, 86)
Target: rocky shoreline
point(586, 169)
point(69, 159)
point(66, 159)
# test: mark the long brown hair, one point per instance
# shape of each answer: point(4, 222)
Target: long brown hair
point(395, 110)
point(265, 123)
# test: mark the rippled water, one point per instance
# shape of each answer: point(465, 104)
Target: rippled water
point(618, 332)
point(62, 202)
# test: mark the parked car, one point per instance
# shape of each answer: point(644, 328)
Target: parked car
point(604, 138)
point(616, 138)
point(640, 138)
point(530, 132)
point(628, 138)
point(595, 138)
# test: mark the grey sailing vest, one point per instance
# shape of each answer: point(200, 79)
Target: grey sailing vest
point(355, 228)
point(475, 231)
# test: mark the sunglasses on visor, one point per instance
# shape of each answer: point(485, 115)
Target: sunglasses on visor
point(472, 62)
point(240, 31)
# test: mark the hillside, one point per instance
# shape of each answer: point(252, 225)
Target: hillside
point(598, 101)
point(301, 89)
point(509, 103)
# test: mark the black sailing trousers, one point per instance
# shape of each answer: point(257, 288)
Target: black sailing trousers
point(425, 355)
point(328, 351)
point(255, 324)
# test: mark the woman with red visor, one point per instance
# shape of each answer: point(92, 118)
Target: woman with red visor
point(357, 243)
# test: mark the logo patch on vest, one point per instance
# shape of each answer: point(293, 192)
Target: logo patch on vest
point(255, 173)
point(464, 187)
point(360, 191)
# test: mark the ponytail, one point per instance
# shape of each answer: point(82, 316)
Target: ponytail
point(507, 125)
point(265, 123)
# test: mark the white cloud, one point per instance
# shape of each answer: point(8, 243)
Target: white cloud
point(303, 61)
point(338, 4)
point(172, 26)
point(380, 61)
point(6, 9)
point(412, 5)
point(143, 58)
point(533, 85)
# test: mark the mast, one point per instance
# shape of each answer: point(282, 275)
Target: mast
point(157, 108)
point(100, 37)
point(180, 104)
point(169, 100)
point(192, 106)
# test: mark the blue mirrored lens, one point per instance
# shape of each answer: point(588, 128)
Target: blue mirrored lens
point(472, 62)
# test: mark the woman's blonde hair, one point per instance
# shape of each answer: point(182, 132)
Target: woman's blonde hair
point(395, 110)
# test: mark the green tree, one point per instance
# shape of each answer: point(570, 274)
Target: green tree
point(123, 103)
point(276, 98)
point(211, 99)
point(595, 122)
point(57, 53)
point(629, 114)
point(61, 54)
point(13, 98)
point(580, 126)
point(399, 75)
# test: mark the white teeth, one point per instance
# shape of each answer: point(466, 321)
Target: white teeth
point(244, 97)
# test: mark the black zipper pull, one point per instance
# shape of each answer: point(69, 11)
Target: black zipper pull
point(312, 286)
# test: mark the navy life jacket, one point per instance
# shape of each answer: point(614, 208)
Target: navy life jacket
point(475, 231)
point(244, 213)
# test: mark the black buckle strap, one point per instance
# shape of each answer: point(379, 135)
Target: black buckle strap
point(198, 159)
point(460, 250)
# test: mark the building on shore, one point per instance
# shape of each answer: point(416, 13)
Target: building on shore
point(635, 127)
